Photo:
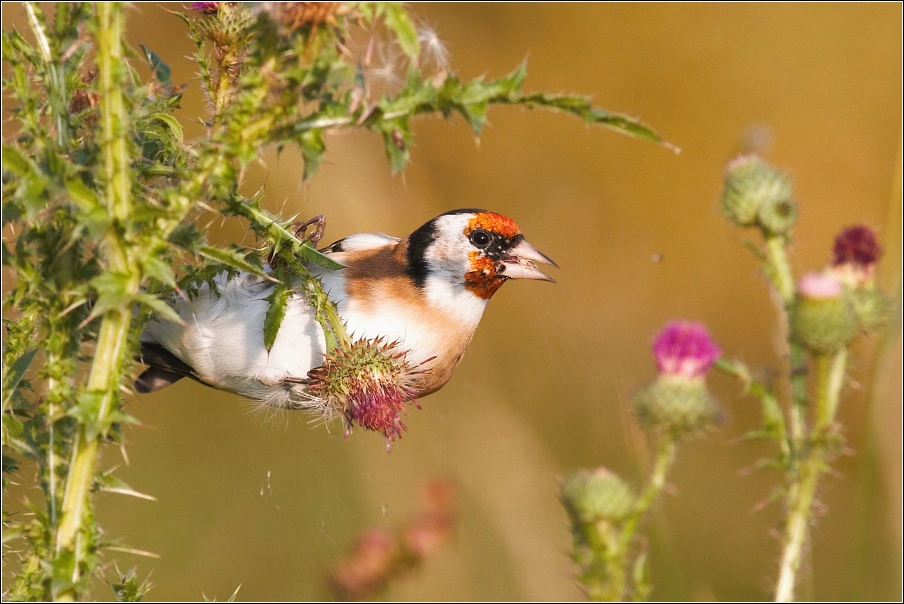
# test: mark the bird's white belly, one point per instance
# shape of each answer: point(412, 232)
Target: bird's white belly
point(223, 339)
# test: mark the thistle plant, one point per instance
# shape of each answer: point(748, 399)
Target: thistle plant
point(103, 199)
point(605, 511)
point(824, 312)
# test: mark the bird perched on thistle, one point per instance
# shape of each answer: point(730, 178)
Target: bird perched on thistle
point(410, 307)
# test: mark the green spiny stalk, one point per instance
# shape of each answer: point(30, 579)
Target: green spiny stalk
point(103, 380)
point(801, 494)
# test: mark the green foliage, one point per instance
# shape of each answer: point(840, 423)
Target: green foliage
point(103, 196)
point(129, 589)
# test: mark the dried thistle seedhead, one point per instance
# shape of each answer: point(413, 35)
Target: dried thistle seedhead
point(369, 566)
point(433, 526)
point(294, 15)
point(368, 383)
point(82, 98)
point(379, 555)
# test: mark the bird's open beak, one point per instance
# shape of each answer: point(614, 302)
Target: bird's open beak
point(520, 263)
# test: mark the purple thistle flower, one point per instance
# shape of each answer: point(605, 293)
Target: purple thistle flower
point(685, 349)
point(205, 8)
point(857, 245)
point(855, 255)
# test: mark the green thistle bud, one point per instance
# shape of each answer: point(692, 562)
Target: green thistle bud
point(597, 495)
point(778, 214)
point(676, 404)
point(822, 318)
point(751, 183)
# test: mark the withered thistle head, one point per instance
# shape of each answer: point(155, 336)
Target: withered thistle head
point(373, 559)
point(855, 255)
point(857, 245)
point(368, 383)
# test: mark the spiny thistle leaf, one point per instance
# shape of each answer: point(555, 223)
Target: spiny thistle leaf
point(14, 161)
point(279, 300)
point(171, 123)
point(129, 589)
point(235, 258)
point(161, 70)
point(14, 375)
point(160, 308)
point(309, 254)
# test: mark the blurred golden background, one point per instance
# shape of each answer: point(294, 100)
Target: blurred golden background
point(270, 504)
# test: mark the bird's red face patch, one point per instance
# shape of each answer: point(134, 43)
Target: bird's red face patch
point(482, 279)
point(494, 223)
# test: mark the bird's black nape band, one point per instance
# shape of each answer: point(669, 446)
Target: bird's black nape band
point(418, 242)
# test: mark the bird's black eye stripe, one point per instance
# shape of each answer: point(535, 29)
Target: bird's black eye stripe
point(480, 238)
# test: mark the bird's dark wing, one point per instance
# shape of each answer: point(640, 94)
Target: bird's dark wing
point(164, 369)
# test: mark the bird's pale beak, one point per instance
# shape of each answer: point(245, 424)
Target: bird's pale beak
point(520, 263)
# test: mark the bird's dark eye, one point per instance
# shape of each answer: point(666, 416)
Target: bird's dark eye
point(480, 238)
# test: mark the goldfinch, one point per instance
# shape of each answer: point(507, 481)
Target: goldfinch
point(426, 293)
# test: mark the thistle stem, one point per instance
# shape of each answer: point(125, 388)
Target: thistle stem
point(798, 395)
point(801, 501)
point(783, 277)
point(114, 330)
point(806, 473)
point(783, 280)
point(823, 364)
point(665, 457)
point(835, 381)
point(57, 77)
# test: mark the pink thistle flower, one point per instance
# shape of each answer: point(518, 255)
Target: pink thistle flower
point(368, 383)
point(684, 349)
point(819, 286)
